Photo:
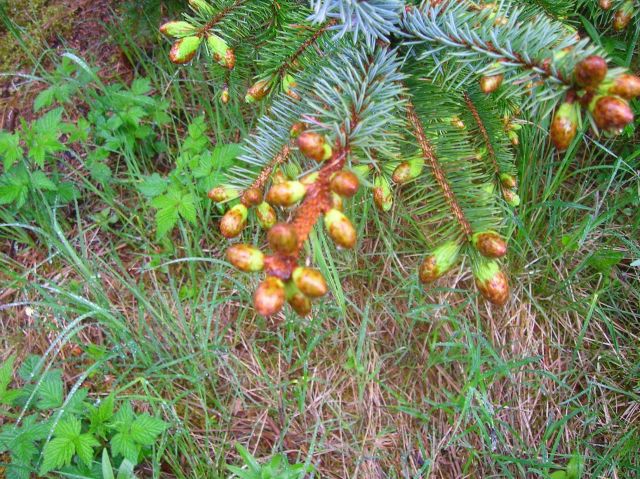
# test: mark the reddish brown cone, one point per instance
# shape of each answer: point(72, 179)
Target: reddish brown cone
point(300, 303)
point(591, 71)
point(252, 197)
point(313, 145)
point(626, 86)
point(283, 238)
point(345, 183)
point(234, 221)
point(310, 282)
point(490, 83)
point(564, 126)
point(490, 244)
point(612, 113)
point(269, 296)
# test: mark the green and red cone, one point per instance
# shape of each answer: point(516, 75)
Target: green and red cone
point(185, 49)
point(287, 193)
point(565, 125)
point(439, 262)
point(234, 221)
point(340, 228)
point(246, 258)
point(491, 282)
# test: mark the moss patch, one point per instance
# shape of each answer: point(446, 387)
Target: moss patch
point(31, 25)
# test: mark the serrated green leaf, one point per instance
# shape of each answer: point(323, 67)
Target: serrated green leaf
point(140, 86)
point(84, 447)
point(57, 453)
point(100, 172)
point(122, 444)
point(100, 416)
point(67, 192)
point(10, 149)
point(6, 373)
point(29, 367)
point(224, 155)
point(166, 219)
point(187, 208)
point(76, 403)
point(18, 469)
point(123, 418)
point(145, 429)
point(153, 185)
point(40, 181)
point(50, 392)
point(44, 99)
point(68, 428)
point(9, 193)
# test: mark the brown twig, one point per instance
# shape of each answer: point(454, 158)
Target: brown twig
point(483, 131)
point(219, 16)
point(438, 172)
point(317, 201)
point(264, 175)
point(305, 45)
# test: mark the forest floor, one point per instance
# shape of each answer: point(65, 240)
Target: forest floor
point(383, 381)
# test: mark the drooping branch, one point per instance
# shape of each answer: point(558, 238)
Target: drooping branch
point(265, 173)
point(219, 16)
point(286, 65)
point(483, 131)
point(438, 172)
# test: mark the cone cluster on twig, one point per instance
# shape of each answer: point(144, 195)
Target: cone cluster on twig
point(604, 96)
point(286, 280)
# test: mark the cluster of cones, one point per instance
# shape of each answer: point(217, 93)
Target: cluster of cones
point(597, 91)
point(188, 40)
point(623, 15)
point(319, 193)
point(490, 280)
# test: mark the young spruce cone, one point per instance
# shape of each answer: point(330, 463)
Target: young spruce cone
point(340, 228)
point(269, 296)
point(626, 86)
point(313, 145)
point(283, 238)
point(492, 283)
point(266, 215)
point(490, 83)
point(611, 112)
point(184, 49)
point(564, 125)
point(234, 221)
point(345, 183)
point(439, 262)
point(490, 244)
point(286, 193)
point(300, 303)
point(246, 258)
point(591, 71)
point(310, 282)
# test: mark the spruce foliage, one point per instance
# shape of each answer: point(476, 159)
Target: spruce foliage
point(421, 101)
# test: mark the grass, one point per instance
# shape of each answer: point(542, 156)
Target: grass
point(383, 380)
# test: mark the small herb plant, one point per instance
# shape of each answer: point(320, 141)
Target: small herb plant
point(277, 468)
point(50, 432)
point(199, 167)
point(72, 148)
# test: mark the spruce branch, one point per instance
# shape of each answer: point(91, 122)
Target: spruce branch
point(501, 39)
point(438, 172)
point(374, 20)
